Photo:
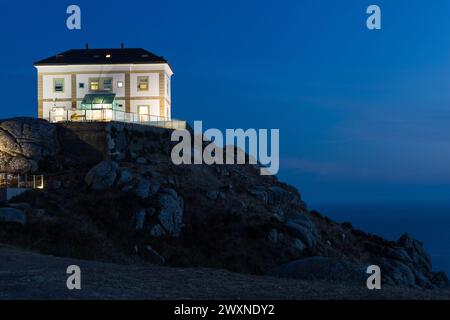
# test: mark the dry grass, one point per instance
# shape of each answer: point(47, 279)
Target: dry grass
point(33, 276)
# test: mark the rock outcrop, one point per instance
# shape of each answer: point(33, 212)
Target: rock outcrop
point(13, 215)
point(136, 204)
point(102, 176)
point(171, 211)
point(408, 263)
point(24, 142)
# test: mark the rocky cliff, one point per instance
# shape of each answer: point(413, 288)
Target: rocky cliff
point(115, 195)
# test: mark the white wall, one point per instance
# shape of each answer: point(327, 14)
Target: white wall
point(96, 71)
point(116, 77)
point(48, 87)
point(168, 86)
point(153, 85)
point(168, 110)
point(48, 105)
point(154, 106)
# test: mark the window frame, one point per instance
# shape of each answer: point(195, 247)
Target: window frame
point(144, 105)
point(103, 84)
point(91, 80)
point(144, 116)
point(147, 79)
point(63, 85)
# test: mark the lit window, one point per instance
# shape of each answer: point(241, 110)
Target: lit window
point(108, 56)
point(107, 84)
point(58, 85)
point(94, 85)
point(144, 113)
point(119, 84)
point(81, 85)
point(142, 83)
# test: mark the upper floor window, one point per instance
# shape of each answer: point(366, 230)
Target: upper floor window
point(94, 85)
point(107, 84)
point(100, 84)
point(142, 83)
point(58, 85)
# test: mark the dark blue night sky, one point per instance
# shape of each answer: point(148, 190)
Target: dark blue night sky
point(363, 115)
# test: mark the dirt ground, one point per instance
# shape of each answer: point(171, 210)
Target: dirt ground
point(26, 275)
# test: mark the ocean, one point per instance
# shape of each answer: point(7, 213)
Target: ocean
point(427, 223)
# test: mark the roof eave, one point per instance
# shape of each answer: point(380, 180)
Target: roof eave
point(44, 64)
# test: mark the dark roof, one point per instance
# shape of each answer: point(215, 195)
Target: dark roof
point(99, 56)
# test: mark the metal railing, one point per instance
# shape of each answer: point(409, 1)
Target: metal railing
point(9, 180)
point(87, 115)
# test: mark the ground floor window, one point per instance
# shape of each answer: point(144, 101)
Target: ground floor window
point(144, 113)
point(58, 114)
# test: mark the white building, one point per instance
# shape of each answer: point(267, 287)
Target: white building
point(104, 84)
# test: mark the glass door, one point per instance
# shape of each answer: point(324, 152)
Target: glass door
point(144, 113)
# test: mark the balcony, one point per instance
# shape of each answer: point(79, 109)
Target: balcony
point(58, 114)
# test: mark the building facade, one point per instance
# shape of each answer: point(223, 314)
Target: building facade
point(104, 84)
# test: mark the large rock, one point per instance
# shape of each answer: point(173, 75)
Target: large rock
point(302, 228)
point(398, 254)
point(279, 196)
point(125, 177)
point(440, 280)
point(171, 211)
point(420, 258)
point(13, 215)
point(145, 188)
point(157, 231)
point(323, 268)
point(260, 193)
point(408, 264)
point(152, 255)
point(275, 195)
point(102, 176)
point(24, 142)
point(421, 280)
point(400, 273)
point(139, 218)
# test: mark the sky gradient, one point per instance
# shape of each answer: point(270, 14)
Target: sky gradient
point(363, 115)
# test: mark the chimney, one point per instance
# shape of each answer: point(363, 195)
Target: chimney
point(122, 45)
point(87, 46)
